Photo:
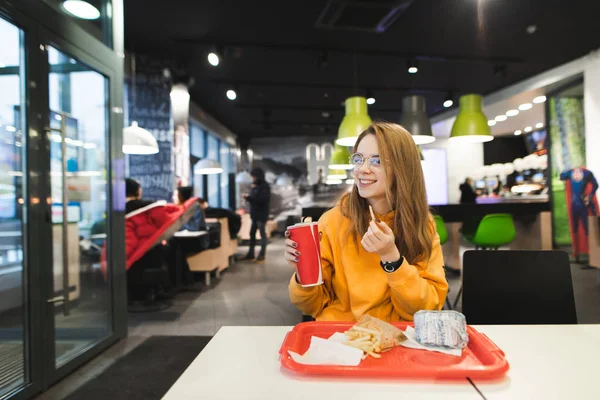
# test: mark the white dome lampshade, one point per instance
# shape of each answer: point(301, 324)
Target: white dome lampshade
point(207, 166)
point(243, 178)
point(137, 140)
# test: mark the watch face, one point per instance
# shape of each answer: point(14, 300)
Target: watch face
point(388, 268)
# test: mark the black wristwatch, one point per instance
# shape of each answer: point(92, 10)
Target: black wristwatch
point(391, 266)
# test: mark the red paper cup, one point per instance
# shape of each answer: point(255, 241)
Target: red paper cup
point(306, 235)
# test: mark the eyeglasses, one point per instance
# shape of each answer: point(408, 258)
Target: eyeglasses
point(357, 160)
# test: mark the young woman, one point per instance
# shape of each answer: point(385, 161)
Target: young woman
point(389, 268)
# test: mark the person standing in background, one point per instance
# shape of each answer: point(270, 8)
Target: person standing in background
point(259, 199)
point(467, 194)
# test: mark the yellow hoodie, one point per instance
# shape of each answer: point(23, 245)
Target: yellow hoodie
point(355, 284)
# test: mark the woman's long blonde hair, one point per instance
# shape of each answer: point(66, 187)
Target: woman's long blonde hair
point(405, 193)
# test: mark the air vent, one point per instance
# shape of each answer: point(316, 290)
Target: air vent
point(374, 16)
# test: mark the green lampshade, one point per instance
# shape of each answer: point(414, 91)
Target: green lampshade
point(355, 121)
point(335, 174)
point(340, 159)
point(471, 123)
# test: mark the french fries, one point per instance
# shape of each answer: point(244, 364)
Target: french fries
point(373, 336)
point(364, 339)
point(372, 213)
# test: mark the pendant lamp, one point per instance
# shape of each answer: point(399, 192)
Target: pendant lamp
point(415, 120)
point(471, 123)
point(208, 167)
point(336, 174)
point(340, 159)
point(243, 178)
point(355, 121)
point(137, 140)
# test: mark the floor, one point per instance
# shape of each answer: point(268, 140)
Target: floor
point(256, 294)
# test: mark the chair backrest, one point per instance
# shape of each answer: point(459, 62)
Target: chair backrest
point(495, 230)
point(518, 287)
point(441, 228)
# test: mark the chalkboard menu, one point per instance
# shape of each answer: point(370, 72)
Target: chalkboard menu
point(151, 108)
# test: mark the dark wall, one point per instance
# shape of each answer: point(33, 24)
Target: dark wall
point(504, 149)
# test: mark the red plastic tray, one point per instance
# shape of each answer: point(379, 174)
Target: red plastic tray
point(481, 359)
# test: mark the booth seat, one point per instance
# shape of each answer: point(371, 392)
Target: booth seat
point(216, 258)
point(244, 234)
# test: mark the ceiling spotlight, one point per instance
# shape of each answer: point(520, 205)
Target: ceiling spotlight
point(213, 59)
point(231, 94)
point(81, 9)
point(412, 67)
point(370, 97)
point(539, 125)
point(539, 99)
point(528, 129)
point(491, 122)
point(325, 114)
point(531, 29)
point(512, 113)
point(518, 132)
point(448, 101)
point(525, 106)
point(501, 118)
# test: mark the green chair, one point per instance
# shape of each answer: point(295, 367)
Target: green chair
point(493, 231)
point(443, 233)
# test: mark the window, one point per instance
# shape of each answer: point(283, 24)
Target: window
point(214, 180)
point(226, 164)
point(198, 151)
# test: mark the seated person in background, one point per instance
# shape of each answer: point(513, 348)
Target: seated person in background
point(197, 222)
point(133, 193)
point(390, 267)
point(467, 194)
point(234, 220)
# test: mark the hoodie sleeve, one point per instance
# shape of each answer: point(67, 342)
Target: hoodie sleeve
point(422, 286)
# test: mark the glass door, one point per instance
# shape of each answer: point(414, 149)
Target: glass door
point(78, 137)
point(14, 307)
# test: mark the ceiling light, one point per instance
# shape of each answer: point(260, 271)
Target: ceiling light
point(448, 101)
point(539, 99)
point(531, 29)
point(518, 132)
point(525, 106)
point(10, 128)
point(137, 140)
point(326, 114)
point(213, 59)
point(470, 126)
point(231, 94)
point(501, 118)
point(371, 100)
point(354, 122)
point(512, 113)
point(539, 125)
point(415, 120)
point(412, 67)
point(528, 129)
point(491, 122)
point(81, 9)
point(207, 166)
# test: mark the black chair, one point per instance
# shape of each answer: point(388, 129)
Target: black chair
point(518, 287)
point(146, 280)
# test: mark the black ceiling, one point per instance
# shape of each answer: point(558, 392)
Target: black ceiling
point(272, 51)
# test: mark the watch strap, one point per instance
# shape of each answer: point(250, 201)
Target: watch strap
point(392, 266)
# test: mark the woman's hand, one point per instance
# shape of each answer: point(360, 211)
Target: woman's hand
point(292, 255)
point(380, 239)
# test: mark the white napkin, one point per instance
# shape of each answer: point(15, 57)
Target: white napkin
point(412, 343)
point(329, 352)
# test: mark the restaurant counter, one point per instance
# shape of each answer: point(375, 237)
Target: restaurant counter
point(532, 217)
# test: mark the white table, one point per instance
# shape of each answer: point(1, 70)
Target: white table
point(242, 362)
point(546, 362)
